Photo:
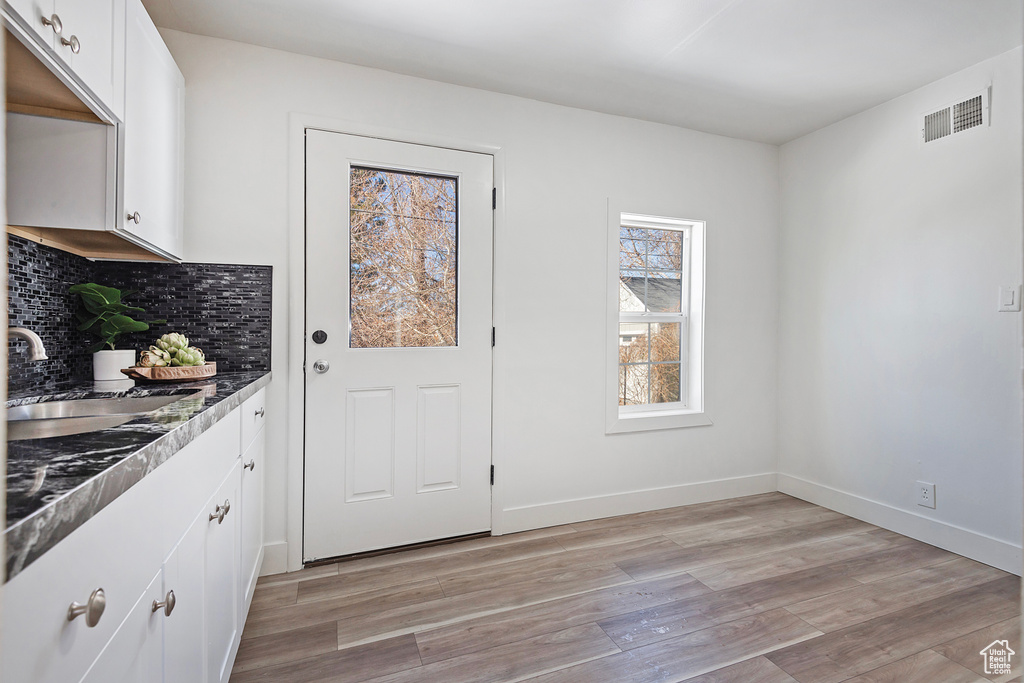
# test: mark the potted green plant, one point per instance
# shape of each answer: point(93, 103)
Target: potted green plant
point(104, 314)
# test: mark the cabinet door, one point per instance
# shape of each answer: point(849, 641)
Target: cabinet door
point(184, 632)
point(252, 517)
point(135, 652)
point(221, 577)
point(153, 137)
point(29, 13)
point(98, 28)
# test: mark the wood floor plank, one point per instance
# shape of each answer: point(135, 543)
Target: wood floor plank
point(512, 625)
point(442, 612)
point(693, 654)
point(786, 560)
point(867, 646)
point(278, 648)
point(341, 666)
point(299, 576)
point(354, 581)
point(515, 661)
point(839, 610)
point(273, 595)
point(693, 557)
point(966, 650)
point(924, 667)
point(533, 568)
point(905, 555)
point(451, 549)
point(672, 619)
point(752, 526)
point(747, 506)
point(756, 670)
point(287, 618)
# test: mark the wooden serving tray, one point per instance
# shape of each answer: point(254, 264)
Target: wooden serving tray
point(172, 374)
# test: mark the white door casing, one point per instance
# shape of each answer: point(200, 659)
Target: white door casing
point(397, 440)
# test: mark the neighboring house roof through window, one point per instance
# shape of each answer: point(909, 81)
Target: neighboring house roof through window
point(661, 295)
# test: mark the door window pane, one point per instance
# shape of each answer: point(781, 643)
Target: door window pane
point(403, 264)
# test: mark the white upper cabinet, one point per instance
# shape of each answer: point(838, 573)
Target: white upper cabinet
point(33, 15)
point(86, 37)
point(91, 45)
point(153, 137)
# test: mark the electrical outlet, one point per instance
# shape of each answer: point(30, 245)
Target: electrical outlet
point(926, 494)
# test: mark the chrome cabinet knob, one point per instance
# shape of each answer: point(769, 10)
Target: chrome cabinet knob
point(74, 44)
point(53, 22)
point(167, 605)
point(321, 366)
point(220, 512)
point(261, 412)
point(135, 218)
point(251, 465)
point(93, 609)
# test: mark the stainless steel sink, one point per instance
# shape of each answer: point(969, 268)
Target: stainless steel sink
point(80, 416)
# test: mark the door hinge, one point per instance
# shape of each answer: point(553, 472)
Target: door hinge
point(494, 198)
point(492, 475)
point(493, 336)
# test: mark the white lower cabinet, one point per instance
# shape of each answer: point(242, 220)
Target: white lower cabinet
point(221, 578)
point(134, 654)
point(252, 517)
point(184, 633)
point(177, 578)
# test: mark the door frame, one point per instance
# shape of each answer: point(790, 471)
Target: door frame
point(296, 314)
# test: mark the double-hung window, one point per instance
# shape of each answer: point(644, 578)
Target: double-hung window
point(656, 346)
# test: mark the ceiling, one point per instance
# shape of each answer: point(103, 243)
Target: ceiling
point(766, 70)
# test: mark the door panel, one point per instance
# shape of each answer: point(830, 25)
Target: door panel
point(370, 446)
point(398, 285)
point(438, 447)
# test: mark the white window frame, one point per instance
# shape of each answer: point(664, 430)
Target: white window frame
point(689, 412)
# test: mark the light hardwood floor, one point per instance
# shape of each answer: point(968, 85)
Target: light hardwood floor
point(764, 589)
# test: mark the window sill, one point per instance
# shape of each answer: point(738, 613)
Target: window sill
point(652, 420)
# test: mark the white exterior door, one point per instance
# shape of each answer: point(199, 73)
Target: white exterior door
point(398, 344)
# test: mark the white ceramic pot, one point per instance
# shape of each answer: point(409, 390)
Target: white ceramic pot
point(107, 364)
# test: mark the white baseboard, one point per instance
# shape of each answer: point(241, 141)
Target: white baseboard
point(580, 509)
point(977, 546)
point(275, 558)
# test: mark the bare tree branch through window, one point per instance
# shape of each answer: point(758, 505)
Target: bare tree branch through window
point(403, 266)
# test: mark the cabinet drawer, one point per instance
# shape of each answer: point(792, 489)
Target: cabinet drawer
point(254, 416)
point(117, 551)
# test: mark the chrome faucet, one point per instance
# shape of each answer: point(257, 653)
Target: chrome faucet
point(35, 344)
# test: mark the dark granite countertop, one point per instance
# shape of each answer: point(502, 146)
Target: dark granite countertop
point(55, 485)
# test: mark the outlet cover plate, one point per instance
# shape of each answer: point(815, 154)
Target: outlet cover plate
point(925, 494)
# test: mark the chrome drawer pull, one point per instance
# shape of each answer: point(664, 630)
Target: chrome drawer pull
point(53, 22)
point(260, 412)
point(167, 605)
point(251, 465)
point(220, 512)
point(74, 44)
point(92, 610)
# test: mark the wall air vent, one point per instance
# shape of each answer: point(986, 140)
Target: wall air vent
point(936, 125)
point(967, 114)
point(956, 118)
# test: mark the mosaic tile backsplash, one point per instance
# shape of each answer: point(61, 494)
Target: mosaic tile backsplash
point(223, 309)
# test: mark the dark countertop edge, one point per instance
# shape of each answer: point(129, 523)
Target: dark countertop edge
point(49, 525)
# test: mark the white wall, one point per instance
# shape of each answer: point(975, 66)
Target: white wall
point(561, 164)
point(894, 364)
